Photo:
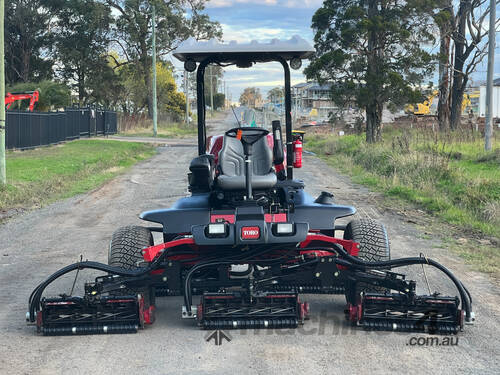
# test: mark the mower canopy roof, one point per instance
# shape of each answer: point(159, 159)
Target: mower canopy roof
point(233, 52)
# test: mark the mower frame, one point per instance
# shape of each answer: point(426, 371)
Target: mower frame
point(207, 233)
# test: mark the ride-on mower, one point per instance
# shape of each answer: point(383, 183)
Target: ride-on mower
point(249, 241)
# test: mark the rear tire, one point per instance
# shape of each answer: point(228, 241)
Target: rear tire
point(125, 251)
point(373, 245)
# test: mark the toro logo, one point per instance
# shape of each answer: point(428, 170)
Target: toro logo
point(250, 233)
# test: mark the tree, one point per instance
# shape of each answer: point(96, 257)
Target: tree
point(27, 41)
point(219, 100)
point(132, 96)
point(469, 51)
point(276, 94)
point(250, 96)
point(81, 43)
point(371, 51)
point(169, 99)
point(213, 77)
point(176, 21)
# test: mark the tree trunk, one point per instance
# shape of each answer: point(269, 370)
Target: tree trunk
point(445, 20)
point(457, 94)
point(374, 108)
point(373, 121)
point(81, 88)
point(456, 102)
point(459, 81)
point(25, 68)
point(443, 110)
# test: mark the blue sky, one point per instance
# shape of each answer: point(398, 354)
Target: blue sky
point(263, 20)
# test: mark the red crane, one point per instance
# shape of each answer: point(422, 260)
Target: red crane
point(14, 96)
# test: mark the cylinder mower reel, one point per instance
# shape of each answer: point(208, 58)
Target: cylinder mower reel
point(249, 241)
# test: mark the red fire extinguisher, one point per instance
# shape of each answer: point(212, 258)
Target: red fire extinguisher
point(297, 153)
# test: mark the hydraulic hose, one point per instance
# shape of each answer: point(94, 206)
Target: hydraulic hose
point(226, 261)
point(34, 299)
point(355, 262)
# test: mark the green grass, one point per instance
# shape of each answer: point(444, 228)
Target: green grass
point(171, 130)
point(450, 176)
point(38, 177)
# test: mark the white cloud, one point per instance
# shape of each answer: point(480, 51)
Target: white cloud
point(242, 35)
point(282, 3)
point(228, 3)
point(303, 3)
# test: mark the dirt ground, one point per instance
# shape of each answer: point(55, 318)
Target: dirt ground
point(35, 244)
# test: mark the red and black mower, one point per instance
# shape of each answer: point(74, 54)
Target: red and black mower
point(249, 241)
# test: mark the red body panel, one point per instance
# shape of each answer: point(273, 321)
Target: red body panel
point(230, 218)
point(150, 253)
point(313, 239)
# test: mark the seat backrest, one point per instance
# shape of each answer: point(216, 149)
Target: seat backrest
point(232, 158)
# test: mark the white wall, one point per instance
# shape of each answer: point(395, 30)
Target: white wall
point(496, 101)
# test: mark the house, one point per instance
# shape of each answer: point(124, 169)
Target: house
point(307, 96)
point(495, 99)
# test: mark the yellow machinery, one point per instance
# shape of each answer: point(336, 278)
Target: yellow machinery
point(470, 101)
point(423, 109)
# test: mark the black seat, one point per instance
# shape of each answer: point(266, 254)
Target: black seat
point(232, 165)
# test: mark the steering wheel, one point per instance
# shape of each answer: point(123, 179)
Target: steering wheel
point(247, 135)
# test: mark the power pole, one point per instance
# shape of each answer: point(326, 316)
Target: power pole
point(155, 115)
point(186, 91)
point(3, 173)
point(488, 125)
point(211, 93)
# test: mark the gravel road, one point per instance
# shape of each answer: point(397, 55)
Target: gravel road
point(37, 243)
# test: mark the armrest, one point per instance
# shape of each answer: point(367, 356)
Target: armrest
point(202, 173)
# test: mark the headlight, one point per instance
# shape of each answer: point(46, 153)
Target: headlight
point(284, 229)
point(216, 230)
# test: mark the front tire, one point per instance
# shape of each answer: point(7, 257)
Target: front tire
point(125, 251)
point(373, 245)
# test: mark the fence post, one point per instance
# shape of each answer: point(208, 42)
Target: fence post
point(3, 171)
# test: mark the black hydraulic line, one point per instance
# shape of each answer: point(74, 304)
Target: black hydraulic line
point(210, 263)
point(187, 281)
point(111, 269)
point(37, 293)
point(34, 300)
point(355, 262)
point(349, 261)
point(341, 251)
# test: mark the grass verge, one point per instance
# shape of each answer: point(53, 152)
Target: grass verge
point(38, 177)
point(450, 176)
point(170, 130)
